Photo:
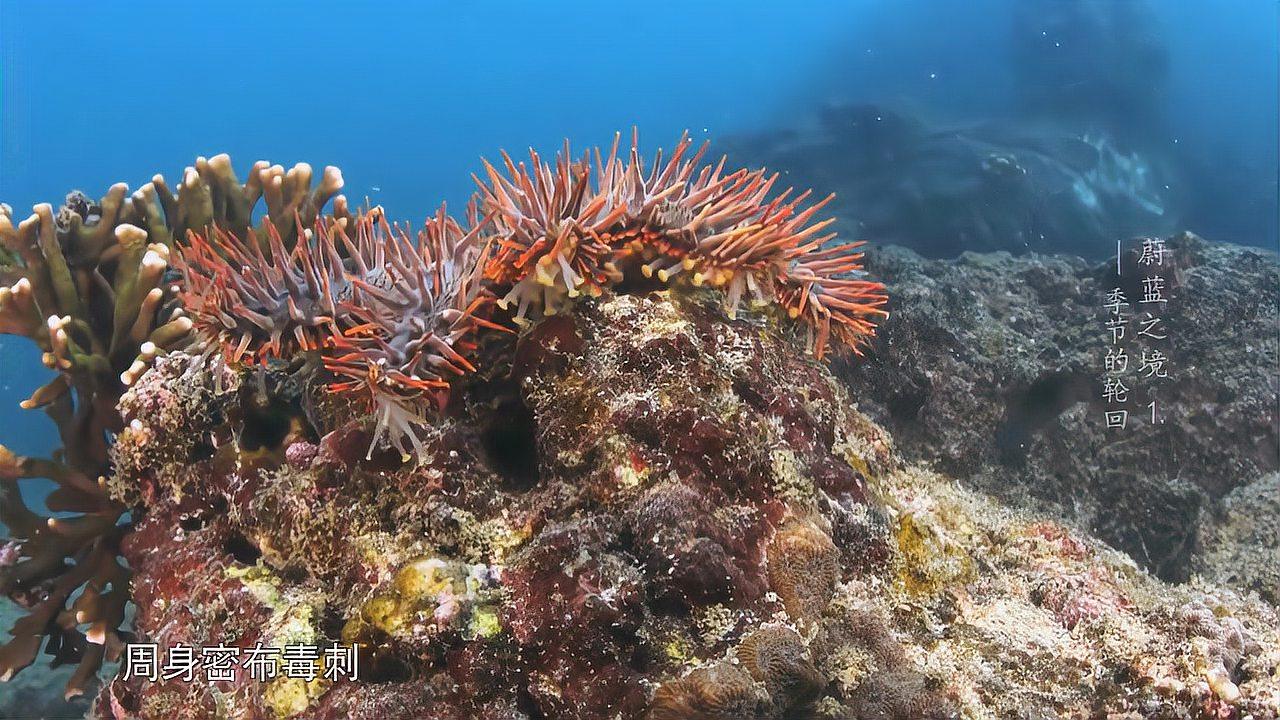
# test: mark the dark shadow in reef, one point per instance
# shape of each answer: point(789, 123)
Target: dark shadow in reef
point(1029, 410)
point(510, 442)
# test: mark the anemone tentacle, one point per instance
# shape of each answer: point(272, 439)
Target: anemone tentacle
point(410, 324)
point(259, 304)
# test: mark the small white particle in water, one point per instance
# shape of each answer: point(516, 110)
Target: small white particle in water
point(933, 76)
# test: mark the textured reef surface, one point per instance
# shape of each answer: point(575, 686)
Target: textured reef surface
point(581, 457)
point(660, 513)
point(992, 367)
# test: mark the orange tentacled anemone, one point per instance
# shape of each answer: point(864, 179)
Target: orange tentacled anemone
point(670, 207)
point(825, 288)
point(559, 235)
point(387, 313)
point(410, 319)
point(548, 223)
point(396, 316)
point(257, 304)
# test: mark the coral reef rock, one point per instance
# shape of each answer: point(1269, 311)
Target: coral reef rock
point(640, 509)
point(992, 368)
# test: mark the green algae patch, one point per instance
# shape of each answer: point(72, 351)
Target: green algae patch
point(484, 623)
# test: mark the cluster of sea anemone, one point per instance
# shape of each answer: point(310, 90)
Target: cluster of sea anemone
point(389, 315)
point(561, 233)
point(398, 317)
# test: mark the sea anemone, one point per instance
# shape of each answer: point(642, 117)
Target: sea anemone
point(669, 211)
point(549, 224)
point(257, 304)
point(385, 314)
point(825, 287)
point(409, 318)
point(560, 235)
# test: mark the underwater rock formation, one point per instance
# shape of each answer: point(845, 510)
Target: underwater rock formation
point(645, 500)
point(992, 367)
point(351, 304)
point(627, 483)
point(656, 512)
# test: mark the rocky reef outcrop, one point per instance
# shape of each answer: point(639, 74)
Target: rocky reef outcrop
point(650, 511)
point(992, 367)
point(579, 455)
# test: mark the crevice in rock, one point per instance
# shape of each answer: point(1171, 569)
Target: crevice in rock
point(386, 669)
point(270, 409)
point(242, 549)
point(510, 443)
